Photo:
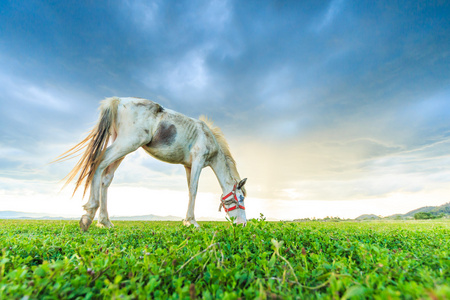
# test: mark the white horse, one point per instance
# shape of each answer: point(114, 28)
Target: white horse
point(129, 123)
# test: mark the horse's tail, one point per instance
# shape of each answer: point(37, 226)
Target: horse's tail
point(95, 144)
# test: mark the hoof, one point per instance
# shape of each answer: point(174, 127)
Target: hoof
point(85, 222)
point(191, 222)
point(105, 224)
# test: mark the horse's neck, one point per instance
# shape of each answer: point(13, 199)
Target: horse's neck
point(223, 173)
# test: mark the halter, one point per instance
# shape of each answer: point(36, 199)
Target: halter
point(229, 199)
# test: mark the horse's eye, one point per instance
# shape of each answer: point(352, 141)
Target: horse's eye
point(241, 198)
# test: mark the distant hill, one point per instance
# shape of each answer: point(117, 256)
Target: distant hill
point(435, 210)
point(422, 209)
point(8, 214)
point(397, 217)
point(445, 209)
point(368, 217)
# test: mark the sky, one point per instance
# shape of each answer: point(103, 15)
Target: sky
point(331, 108)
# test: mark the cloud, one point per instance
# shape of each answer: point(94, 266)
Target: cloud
point(329, 16)
point(319, 101)
point(29, 94)
point(189, 72)
point(145, 14)
point(356, 169)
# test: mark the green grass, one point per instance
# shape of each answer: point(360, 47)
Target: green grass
point(266, 260)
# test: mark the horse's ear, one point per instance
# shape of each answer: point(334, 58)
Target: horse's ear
point(241, 183)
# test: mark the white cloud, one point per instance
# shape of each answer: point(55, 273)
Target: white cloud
point(189, 72)
point(27, 92)
point(358, 169)
point(328, 17)
point(145, 14)
point(215, 16)
point(183, 76)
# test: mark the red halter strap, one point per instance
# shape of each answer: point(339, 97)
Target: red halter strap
point(230, 198)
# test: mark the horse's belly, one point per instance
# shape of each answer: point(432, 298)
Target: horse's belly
point(173, 139)
point(173, 155)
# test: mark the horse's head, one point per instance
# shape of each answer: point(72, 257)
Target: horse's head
point(233, 203)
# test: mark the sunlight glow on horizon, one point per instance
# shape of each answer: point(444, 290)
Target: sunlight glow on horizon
point(138, 201)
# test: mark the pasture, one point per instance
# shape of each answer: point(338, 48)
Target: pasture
point(265, 260)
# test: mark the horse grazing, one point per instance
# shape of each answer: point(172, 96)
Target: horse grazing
point(125, 124)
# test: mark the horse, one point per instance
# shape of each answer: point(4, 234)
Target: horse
point(126, 124)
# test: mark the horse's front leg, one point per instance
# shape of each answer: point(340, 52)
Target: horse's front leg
point(192, 177)
point(108, 175)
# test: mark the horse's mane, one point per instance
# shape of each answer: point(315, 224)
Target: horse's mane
point(223, 144)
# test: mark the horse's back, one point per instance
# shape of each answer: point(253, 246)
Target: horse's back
point(176, 138)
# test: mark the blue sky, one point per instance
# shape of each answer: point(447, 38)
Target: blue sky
point(323, 103)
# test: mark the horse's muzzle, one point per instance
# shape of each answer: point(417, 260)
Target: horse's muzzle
point(240, 221)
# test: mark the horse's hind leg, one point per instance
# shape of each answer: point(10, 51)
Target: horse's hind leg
point(91, 208)
point(116, 151)
point(108, 175)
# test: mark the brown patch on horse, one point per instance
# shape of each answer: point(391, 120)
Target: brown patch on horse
point(164, 136)
point(143, 104)
point(158, 108)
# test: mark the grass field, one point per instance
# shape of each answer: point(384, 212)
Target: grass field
point(265, 260)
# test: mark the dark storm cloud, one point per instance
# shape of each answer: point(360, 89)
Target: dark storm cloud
point(368, 78)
